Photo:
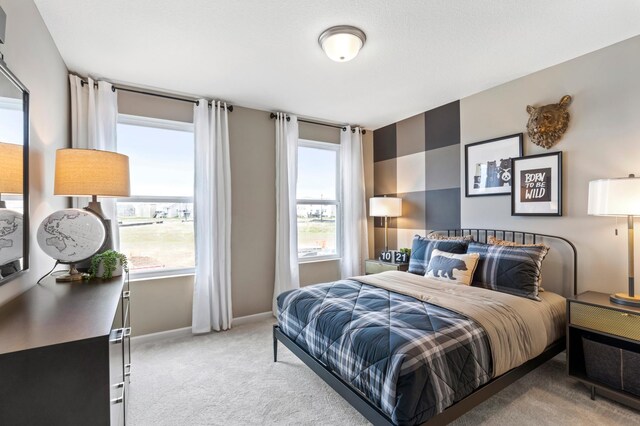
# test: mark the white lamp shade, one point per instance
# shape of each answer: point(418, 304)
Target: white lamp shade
point(614, 197)
point(342, 43)
point(11, 168)
point(385, 207)
point(82, 172)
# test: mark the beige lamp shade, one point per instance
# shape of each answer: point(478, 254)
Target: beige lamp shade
point(614, 197)
point(11, 161)
point(385, 207)
point(86, 172)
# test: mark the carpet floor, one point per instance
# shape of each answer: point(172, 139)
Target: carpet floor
point(230, 379)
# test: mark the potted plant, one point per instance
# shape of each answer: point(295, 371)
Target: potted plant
point(108, 264)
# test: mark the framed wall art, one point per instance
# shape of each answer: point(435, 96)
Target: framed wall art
point(537, 185)
point(488, 165)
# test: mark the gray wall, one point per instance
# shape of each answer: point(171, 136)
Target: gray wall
point(165, 303)
point(602, 141)
point(33, 57)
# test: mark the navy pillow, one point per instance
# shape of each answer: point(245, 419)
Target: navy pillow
point(513, 270)
point(422, 248)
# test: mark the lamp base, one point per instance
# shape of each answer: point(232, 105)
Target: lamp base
point(625, 299)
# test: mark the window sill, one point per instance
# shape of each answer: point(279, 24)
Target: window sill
point(160, 275)
point(325, 259)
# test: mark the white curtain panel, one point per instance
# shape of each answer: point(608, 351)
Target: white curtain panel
point(94, 122)
point(212, 206)
point(287, 275)
point(355, 246)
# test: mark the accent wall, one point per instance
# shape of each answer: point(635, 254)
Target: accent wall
point(418, 160)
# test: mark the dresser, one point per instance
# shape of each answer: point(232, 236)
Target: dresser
point(603, 347)
point(65, 354)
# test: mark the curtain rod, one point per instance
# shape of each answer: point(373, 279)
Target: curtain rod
point(158, 95)
point(319, 123)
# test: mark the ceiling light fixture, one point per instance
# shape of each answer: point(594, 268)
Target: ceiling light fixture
point(342, 43)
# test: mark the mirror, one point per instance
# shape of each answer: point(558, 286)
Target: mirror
point(14, 176)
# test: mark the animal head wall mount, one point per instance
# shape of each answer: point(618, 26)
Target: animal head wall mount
point(548, 123)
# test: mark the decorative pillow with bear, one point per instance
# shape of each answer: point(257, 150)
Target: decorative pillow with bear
point(508, 269)
point(422, 248)
point(451, 267)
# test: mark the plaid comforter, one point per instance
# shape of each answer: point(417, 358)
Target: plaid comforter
point(410, 358)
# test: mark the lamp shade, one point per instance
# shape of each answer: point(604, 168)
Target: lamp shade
point(86, 172)
point(385, 207)
point(614, 197)
point(11, 161)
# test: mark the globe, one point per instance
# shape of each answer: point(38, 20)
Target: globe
point(11, 224)
point(71, 235)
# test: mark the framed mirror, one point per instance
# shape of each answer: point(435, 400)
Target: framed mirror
point(14, 175)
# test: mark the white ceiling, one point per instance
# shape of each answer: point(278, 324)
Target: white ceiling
point(264, 54)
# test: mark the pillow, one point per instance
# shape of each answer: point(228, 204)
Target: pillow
point(450, 267)
point(421, 252)
point(509, 269)
point(498, 242)
point(436, 236)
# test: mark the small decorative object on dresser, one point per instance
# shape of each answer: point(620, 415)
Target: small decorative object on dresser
point(548, 123)
point(377, 266)
point(603, 346)
point(108, 264)
point(619, 197)
point(488, 165)
point(537, 185)
point(71, 236)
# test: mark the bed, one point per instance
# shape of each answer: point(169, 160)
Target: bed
point(405, 349)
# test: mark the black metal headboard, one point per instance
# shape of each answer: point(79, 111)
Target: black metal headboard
point(522, 237)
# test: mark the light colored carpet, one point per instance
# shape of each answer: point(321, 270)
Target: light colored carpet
point(230, 379)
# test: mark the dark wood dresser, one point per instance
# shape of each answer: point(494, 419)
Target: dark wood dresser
point(65, 354)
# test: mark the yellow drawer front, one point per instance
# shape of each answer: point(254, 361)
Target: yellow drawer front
point(606, 320)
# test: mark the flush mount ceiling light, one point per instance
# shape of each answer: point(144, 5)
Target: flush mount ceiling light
point(342, 43)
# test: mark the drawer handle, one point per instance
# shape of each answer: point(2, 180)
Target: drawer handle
point(119, 335)
point(127, 370)
point(126, 294)
point(127, 332)
point(119, 399)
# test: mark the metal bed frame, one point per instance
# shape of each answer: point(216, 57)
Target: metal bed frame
point(374, 414)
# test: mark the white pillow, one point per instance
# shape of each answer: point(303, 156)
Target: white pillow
point(451, 267)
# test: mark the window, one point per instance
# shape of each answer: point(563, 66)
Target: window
point(156, 222)
point(318, 200)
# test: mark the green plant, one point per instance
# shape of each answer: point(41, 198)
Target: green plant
point(406, 250)
point(109, 260)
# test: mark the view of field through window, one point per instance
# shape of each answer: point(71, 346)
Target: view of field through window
point(317, 222)
point(156, 223)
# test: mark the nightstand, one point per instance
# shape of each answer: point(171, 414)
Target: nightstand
point(603, 347)
point(376, 266)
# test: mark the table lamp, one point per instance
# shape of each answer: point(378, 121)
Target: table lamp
point(12, 159)
point(385, 207)
point(94, 173)
point(618, 197)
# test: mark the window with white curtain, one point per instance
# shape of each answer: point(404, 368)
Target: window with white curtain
point(318, 201)
point(156, 222)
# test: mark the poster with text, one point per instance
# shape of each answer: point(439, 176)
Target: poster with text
point(537, 188)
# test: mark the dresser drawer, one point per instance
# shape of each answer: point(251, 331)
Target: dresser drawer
point(375, 267)
point(606, 320)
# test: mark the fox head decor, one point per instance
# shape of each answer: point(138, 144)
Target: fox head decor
point(548, 123)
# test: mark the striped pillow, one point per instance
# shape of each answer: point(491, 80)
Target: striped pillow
point(422, 248)
point(512, 270)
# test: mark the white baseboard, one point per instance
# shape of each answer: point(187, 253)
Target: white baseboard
point(186, 331)
point(252, 318)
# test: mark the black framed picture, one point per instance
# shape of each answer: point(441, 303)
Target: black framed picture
point(537, 185)
point(488, 165)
